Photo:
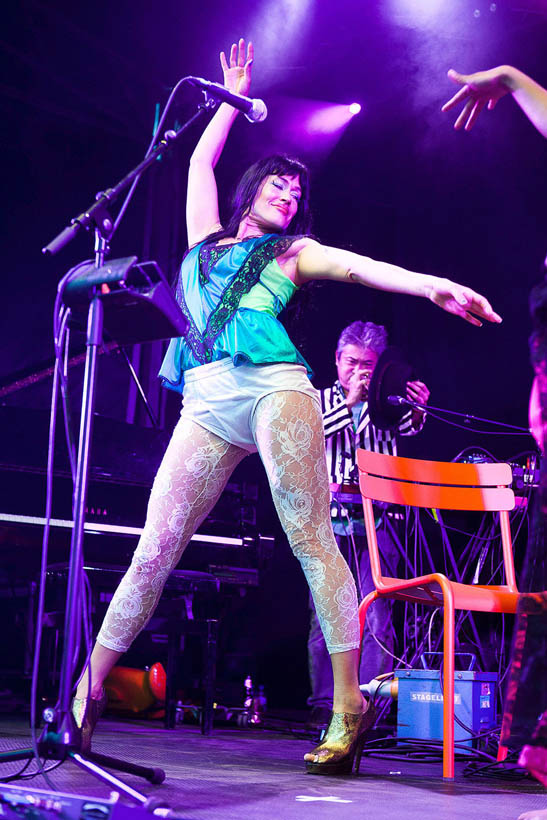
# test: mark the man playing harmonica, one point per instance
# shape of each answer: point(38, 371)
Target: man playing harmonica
point(347, 427)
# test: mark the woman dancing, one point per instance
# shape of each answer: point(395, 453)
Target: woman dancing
point(246, 389)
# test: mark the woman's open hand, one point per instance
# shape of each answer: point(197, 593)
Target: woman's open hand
point(237, 75)
point(463, 302)
point(483, 88)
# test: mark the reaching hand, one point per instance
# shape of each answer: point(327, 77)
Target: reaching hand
point(417, 391)
point(484, 88)
point(463, 302)
point(237, 75)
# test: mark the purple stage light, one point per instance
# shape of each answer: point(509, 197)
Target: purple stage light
point(307, 128)
point(329, 118)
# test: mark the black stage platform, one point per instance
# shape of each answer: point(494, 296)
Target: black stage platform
point(259, 773)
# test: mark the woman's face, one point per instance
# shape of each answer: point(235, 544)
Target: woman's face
point(276, 202)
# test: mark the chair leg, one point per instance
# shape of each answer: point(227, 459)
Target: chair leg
point(448, 687)
point(502, 753)
point(363, 608)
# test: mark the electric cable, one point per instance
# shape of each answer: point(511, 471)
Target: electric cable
point(384, 648)
point(18, 774)
point(43, 570)
point(60, 318)
point(413, 748)
point(501, 769)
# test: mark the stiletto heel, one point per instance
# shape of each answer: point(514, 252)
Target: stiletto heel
point(86, 713)
point(359, 751)
point(342, 743)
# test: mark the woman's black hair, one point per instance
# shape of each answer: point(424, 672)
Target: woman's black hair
point(249, 184)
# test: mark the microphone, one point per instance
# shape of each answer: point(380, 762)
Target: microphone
point(254, 110)
point(397, 400)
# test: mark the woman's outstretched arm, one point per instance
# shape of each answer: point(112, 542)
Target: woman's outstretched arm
point(315, 261)
point(485, 88)
point(202, 215)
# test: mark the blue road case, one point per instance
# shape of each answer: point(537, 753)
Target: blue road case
point(420, 703)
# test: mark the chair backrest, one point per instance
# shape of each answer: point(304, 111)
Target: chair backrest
point(437, 485)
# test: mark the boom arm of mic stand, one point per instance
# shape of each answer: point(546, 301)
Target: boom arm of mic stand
point(97, 213)
point(467, 417)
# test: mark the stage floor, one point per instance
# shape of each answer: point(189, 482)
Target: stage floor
point(259, 773)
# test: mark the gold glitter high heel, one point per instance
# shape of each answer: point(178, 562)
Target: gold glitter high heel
point(86, 713)
point(342, 743)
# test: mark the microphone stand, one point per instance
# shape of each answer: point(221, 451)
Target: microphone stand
point(467, 417)
point(97, 213)
point(61, 738)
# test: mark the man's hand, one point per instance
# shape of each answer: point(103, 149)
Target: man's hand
point(358, 388)
point(418, 392)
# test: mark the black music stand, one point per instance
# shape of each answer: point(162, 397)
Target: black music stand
point(134, 303)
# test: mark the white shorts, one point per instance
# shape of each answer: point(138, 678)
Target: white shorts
point(222, 397)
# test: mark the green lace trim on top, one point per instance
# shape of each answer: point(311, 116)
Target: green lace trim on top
point(244, 279)
point(208, 256)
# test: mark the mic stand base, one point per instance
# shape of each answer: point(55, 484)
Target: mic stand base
point(91, 762)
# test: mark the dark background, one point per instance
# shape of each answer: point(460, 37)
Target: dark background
point(79, 93)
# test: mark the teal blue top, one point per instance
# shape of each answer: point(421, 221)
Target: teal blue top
point(231, 296)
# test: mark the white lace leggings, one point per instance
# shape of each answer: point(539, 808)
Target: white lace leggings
point(288, 432)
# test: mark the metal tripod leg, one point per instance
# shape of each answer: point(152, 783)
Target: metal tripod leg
point(93, 763)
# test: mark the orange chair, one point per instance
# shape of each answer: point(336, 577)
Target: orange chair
point(439, 485)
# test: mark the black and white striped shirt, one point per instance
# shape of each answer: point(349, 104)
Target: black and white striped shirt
point(342, 439)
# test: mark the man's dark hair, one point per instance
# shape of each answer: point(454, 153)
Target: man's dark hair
point(363, 334)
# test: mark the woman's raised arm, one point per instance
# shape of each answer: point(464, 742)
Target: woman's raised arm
point(202, 215)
